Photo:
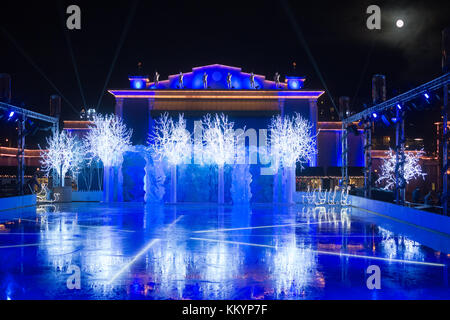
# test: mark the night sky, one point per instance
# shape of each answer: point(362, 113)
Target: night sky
point(171, 36)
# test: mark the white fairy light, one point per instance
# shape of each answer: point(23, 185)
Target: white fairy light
point(64, 152)
point(219, 140)
point(412, 168)
point(291, 141)
point(108, 139)
point(171, 140)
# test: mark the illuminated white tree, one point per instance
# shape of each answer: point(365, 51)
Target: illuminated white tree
point(108, 139)
point(412, 168)
point(64, 152)
point(219, 146)
point(171, 141)
point(291, 141)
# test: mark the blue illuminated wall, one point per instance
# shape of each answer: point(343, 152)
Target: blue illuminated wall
point(140, 106)
point(330, 149)
point(136, 115)
point(217, 79)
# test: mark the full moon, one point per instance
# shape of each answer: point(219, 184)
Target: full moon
point(399, 23)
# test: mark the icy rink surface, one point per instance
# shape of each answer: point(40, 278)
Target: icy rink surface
point(203, 251)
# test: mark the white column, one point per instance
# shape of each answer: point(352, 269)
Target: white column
point(220, 186)
point(290, 184)
point(173, 184)
point(119, 107)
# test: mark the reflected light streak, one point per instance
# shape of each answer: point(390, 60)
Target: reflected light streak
point(173, 223)
point(136, 257)
point(78, 225)
point(25, 245)
point(259, 227)
point(327, 252)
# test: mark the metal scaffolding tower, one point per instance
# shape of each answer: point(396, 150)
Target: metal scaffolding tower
point(344, 148)
point(400, 183)
point(366, 115)
point(368, 159)
point(23, 114)
point(445, 151)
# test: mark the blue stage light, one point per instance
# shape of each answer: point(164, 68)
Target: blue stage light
point(374, 115)
point(394, 120)
point(399, 106)
point(11, 114)
point(295, 83)
point(137, 84)
point(385, 120)
point(426, 95)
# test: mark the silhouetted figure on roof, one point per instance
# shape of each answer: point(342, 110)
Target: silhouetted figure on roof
point(252, 80)
point(276, 78)
point(205, 80)
point(156, 82)
point(180, 80)
point(229, 80)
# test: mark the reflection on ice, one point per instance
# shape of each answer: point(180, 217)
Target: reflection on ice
point(294, 265)
point(400, 246)
point(331, 215)
point(259, 252)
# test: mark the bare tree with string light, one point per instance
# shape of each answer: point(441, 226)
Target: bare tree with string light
point(171, 141)
point(108, 139)
point(292, 142)
point(64, 153)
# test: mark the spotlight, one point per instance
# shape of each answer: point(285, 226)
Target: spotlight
point(394, 120)
point(385, 120)
point(374, 115)
point(11, 114)
point(426, 95)
point(399, 107)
